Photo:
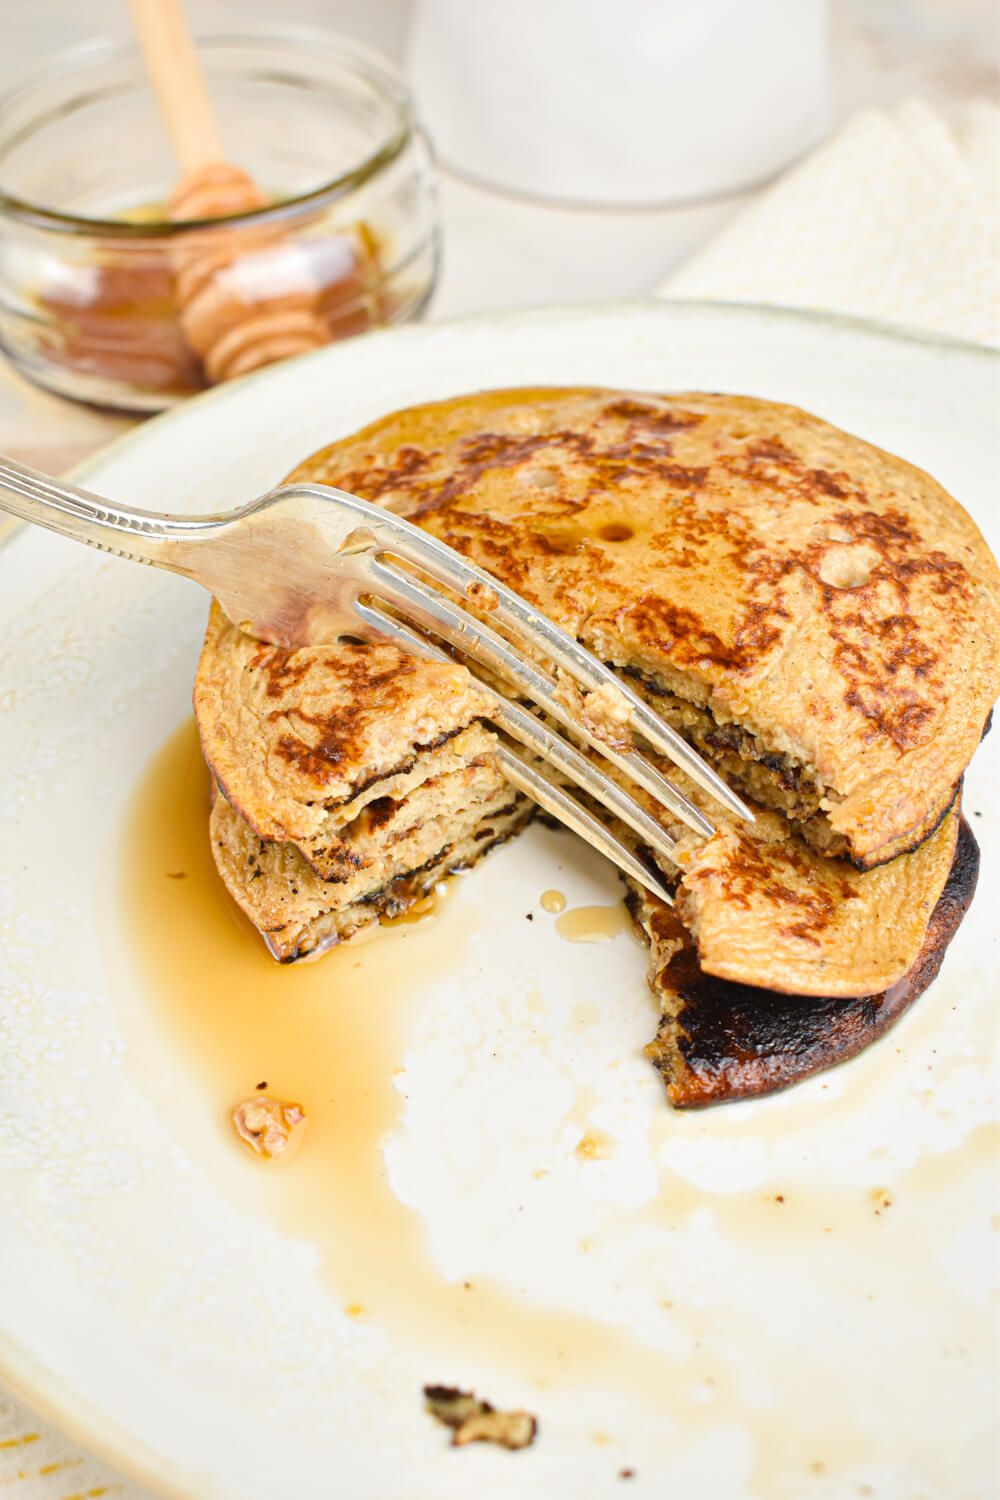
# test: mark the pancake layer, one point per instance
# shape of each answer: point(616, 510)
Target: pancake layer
point(821, 618)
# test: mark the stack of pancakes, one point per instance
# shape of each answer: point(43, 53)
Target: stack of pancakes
point(820, 619)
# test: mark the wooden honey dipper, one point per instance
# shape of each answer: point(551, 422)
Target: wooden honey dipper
point(236, 318)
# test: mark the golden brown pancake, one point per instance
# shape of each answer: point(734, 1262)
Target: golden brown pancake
point(820, 618)
point(764, 909)
point(817, 617)
point(347, 770)
point(353, 778)
point(299, 914)
point(300, 739)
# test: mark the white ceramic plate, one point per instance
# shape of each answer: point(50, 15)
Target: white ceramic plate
point(776, 1299)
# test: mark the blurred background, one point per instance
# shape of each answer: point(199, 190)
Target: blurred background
point(502, 250)
point(840, 155)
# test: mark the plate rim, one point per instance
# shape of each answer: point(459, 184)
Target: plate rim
point(67, 1412)
point(890, 332)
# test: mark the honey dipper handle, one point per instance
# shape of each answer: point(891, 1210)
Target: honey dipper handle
point(178, 81)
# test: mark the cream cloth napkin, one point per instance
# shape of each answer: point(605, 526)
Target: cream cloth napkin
point(897, 218)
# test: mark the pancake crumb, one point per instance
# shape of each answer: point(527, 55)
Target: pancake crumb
point(604, 711)
point(474, 1421)
point(481, 596)
point(595, 1145)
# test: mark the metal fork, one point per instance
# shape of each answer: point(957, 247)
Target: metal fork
point(307, 564)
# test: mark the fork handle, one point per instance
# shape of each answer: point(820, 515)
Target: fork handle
point(140, 535)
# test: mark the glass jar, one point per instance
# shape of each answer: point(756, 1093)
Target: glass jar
point(91, 263)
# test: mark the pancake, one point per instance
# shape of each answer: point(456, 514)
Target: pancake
point(761, 908)
point(819, 618)
point(353, 776)
point(300, 915)
point(300, 741)
point(719, 1040)
point(351, 779)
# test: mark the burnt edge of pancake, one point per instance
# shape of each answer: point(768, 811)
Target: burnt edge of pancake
point(727, 1041)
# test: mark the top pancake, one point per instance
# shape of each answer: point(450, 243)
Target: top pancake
point(833, 601)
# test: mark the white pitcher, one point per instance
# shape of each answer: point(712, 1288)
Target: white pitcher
point(624, 102)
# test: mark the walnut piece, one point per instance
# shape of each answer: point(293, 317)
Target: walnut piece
point(269, 1126)
point(475, 1421)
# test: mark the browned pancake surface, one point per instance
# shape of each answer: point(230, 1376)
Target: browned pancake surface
point(764, 909)
point(291, 736)
point(829, 598)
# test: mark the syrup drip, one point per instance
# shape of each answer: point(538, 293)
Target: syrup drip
point(593, 924)
point(333, 1034)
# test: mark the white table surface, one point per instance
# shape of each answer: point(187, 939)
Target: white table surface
point(499, 252)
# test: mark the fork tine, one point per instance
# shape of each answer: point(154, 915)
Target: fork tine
point(432, 611)
point(553, 643)
point(577, 768)
point(553, 798)
point(552, 748)
point(561, 805)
